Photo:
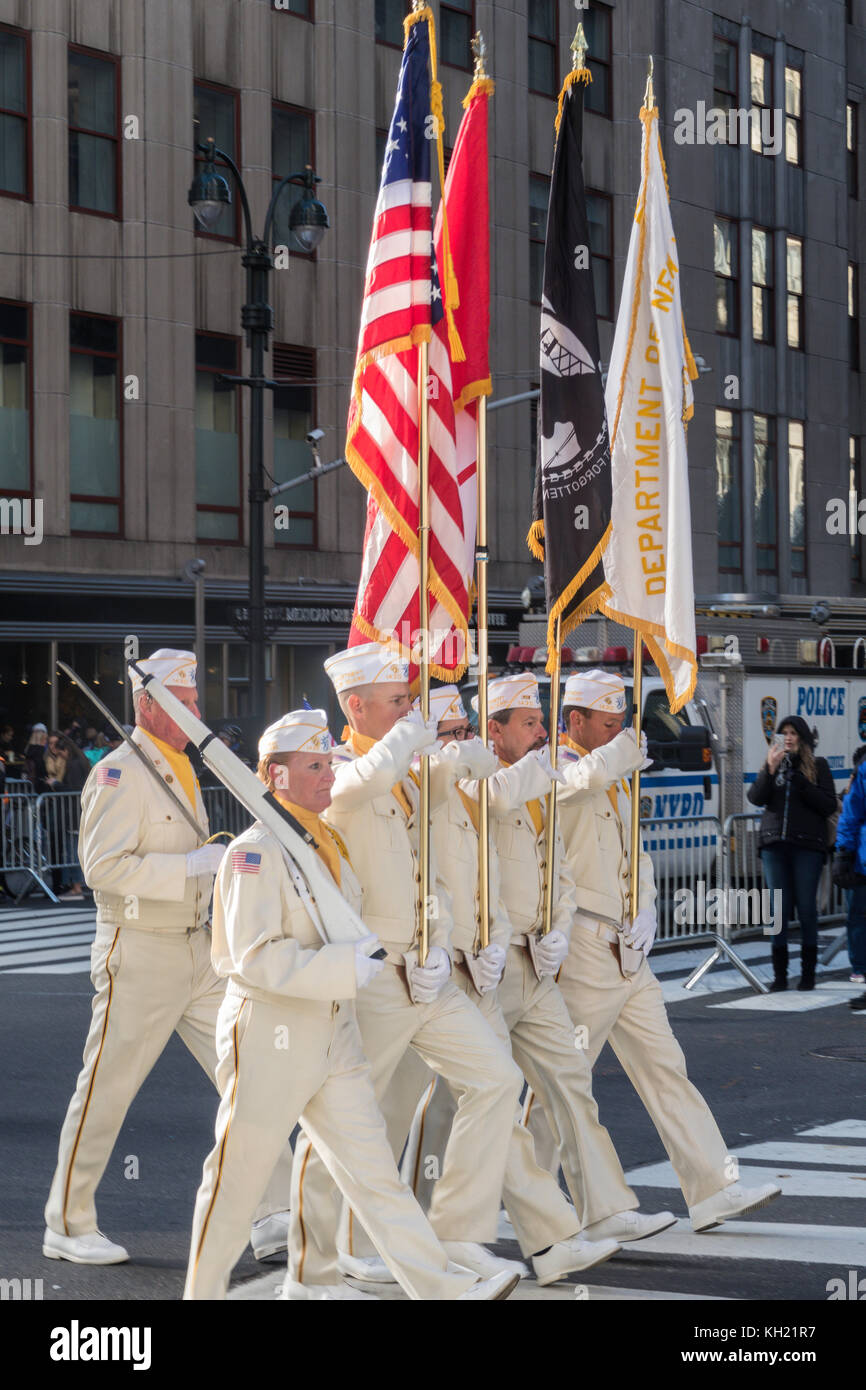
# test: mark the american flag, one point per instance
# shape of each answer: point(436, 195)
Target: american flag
point(107, 776)
point(245, 861)
point(402, 303)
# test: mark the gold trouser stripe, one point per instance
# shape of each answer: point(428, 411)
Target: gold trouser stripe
point(528, 1104)
point(351, 1231)
point(301, 1213)
point(431, 1088)
point(90, 1084)
point(223, 1144)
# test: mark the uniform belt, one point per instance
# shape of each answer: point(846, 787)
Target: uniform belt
point(521, 941)
point(596, 928)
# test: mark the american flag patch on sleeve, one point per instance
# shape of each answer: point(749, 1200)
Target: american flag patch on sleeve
point(107, 776)
point(245, 861)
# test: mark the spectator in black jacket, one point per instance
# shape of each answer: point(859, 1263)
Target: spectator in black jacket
point(797, 792)
point(77, 769)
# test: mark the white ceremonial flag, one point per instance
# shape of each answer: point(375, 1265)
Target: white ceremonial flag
point(648, 560)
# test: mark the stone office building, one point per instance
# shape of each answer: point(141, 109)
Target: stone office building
point(117, 315)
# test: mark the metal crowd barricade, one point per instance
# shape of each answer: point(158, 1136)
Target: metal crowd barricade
point(686, 852)
point(22, 855)
point(224, 811)
point(744, 871)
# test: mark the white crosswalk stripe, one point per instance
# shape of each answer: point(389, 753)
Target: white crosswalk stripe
point(46, 941)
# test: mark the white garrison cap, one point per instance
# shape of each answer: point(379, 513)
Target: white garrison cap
point(299, 731)
point(511, 692)
point(367, 664)
point(445, 703)
point(597, 689)
point(170, 667)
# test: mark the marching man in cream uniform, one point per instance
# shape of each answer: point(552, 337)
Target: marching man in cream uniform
point(374, 808)
point(289, 1050)
point(150, 962)
point(606, 980)
point(543, 1038)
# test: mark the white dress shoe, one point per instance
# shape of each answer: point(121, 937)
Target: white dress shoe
point(629, 1225)
point(369, 1269)
point(298, 1293)
point(91, 1249)
point(735, 1200)
point(480, 1260)
point(269, 1236)
point(491, 1290)
point(568, 1256)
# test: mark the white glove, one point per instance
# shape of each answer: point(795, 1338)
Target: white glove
point(490, 964)
point(470, 759)
point(366, 969)
point(205, 860)
point(628, 736)
point(551, 952)
point(410, 735)
point(542, 757)
point(643, 930)
point(427, 980)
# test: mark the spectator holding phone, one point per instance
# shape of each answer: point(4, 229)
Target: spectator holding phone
point(849, 869)
point(798, 796)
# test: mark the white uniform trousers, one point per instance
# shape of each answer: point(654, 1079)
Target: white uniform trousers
point(541, 1037)
point(148, 984)
point(631, 1016)
point(455, 1041)
point(280, 1063)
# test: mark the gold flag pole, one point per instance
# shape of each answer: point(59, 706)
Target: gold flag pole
point(550, 837)
point(637, 684)
point(479, 49)
point(424, 654)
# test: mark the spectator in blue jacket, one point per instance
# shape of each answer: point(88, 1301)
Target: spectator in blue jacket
point(849, 869)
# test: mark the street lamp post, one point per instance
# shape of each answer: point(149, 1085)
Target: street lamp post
point(208, 195)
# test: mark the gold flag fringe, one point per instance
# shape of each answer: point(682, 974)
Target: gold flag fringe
point(576, 75)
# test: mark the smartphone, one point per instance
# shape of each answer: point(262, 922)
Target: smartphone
point(778, 740)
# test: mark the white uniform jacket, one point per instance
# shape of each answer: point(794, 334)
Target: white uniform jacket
point(597, 836)
point(266, 936)
point(383, 847)
point(456, 844)
point(521, 852)
point(133, 842)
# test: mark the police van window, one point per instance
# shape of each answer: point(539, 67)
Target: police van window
point(659, 725)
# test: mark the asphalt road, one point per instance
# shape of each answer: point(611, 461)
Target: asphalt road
point(770, 1076)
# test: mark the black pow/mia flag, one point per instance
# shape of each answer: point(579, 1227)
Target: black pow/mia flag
point(572, 501)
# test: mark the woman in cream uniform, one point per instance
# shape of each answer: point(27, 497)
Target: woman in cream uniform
point(289, 1050)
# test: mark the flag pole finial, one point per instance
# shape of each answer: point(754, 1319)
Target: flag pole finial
point(648, 96)
point(479, 49)
point(579, 48)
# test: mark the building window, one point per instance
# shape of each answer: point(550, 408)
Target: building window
point(794, 271)
point(304, 8)
point(93, 134)
point(766, 494)
point(389, 22)
point(599, 213)
point(729, 492)
point(797, 498)
point(294, 417)
point(14, 113)
point(533, 439)
point(598, 95)
point(95, 445)
point(793, 116)
point(762, 285)
point(851, 146)
point(725, 266)
point(853, 318)
point(543, 37)
point(854, 540)
point(215, 110)
point(456, 27)
point(724, 78)
point(291, 151)
point(539, 196)
point(217, 441)
point(15, 476)
point(761, 71)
